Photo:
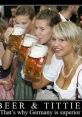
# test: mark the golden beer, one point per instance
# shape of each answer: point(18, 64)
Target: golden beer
point(15, 38)
point(34, 62)
point(28, 41)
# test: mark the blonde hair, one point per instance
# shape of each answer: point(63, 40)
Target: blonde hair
point(71, 32)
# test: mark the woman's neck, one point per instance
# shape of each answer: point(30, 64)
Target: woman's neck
point(69, 62)
point(70, 65)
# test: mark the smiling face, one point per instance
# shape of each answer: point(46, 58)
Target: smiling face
point(43, 31)
point(67, 39)
point(61, 47)
point(25, 21)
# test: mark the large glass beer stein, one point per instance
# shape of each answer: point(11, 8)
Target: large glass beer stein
point(34, 62)
point(28, 41)
point(15, 38)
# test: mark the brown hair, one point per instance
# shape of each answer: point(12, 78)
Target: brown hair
point(26, 10)
point(50, 15)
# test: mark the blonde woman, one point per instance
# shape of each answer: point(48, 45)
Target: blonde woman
point(66, 43)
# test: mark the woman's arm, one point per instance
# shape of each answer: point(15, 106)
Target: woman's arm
point(7, 34)
point(41, 83)
point(8, 55)
point(2, 50)
point(7, 59)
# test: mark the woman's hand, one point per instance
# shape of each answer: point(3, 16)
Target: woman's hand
point(7, 84)
point(3, 82)
point(8, 33)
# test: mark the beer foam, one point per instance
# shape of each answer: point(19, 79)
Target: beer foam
point(32, 36)
point(29, 40)
point(18, 30)
point(38, 51)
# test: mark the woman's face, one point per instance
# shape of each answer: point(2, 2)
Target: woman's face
point(43, 31)
point(61, 47)
point(25, 21)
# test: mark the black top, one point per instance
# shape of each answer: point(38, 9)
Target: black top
point(4, 73)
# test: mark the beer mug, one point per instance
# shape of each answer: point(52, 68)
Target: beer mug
point(15, 38)
point(34, 62)
point(28, 41)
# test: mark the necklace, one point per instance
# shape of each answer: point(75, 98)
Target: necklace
point(67, 75)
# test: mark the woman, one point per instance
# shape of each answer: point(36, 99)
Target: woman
point(6, 81)
point(44, 22)
point(23, 90)
point(66, 43)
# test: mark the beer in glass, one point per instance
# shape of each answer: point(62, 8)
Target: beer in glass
point(34, 62)
point(28, 41)
point(15, 38)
